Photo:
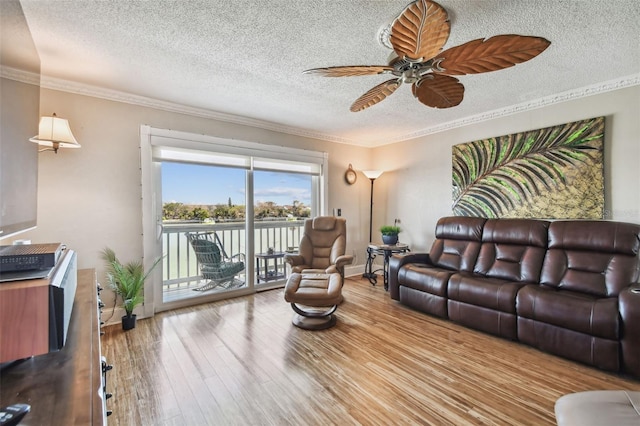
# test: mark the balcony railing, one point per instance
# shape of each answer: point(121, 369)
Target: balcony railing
point(180, 266)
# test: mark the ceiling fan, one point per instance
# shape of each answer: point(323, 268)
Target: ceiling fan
point(417, 36)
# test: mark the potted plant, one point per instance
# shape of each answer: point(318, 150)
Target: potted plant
point(390, 234)
point(127, 281)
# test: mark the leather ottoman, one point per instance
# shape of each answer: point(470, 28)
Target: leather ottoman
point(607, 407)
point(314, 297)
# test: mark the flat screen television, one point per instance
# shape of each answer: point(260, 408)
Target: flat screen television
point(19, 116)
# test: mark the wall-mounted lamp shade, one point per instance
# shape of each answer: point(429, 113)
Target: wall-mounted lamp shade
point(55, 133)
point(372, 174)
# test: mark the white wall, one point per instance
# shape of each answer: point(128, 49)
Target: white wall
point(416, 187)
point(89, 198)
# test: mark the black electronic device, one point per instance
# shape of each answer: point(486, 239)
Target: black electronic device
point(62, 292)
point(12, 414)
point(29, 257)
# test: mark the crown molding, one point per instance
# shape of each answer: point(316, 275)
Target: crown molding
point(20, 75)
point(128, 98)
point(608, 86)
point(118, 96)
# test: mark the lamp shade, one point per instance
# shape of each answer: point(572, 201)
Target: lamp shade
point(372, 174)
point(55, 132)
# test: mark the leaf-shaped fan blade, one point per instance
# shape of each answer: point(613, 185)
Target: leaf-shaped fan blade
point(439, 91)
point(495, 53)
point(375, 95)
point(350, 71)
point(420, 31)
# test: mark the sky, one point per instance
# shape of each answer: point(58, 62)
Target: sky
point(199, 184)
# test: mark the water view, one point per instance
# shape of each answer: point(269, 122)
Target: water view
point(211, 201)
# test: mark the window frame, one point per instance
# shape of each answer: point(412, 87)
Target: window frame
point(157, 145)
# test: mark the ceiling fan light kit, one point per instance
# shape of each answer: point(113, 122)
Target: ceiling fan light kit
point(417, 37)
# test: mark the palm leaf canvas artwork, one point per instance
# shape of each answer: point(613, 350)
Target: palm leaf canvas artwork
point(554, 173)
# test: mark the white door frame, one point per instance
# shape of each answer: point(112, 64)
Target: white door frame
point(152, 202)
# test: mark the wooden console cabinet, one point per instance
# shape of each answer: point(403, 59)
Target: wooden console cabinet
point(24, 319)
point(64, 387)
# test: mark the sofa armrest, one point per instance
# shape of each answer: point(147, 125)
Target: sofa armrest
point(629, 305)
point(396, 261)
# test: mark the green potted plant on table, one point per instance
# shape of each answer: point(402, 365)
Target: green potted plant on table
point(390, 234)
point(127, 281)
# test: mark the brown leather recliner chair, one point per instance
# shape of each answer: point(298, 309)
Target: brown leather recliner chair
point(322, 247)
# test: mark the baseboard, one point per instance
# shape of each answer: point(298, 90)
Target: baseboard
point(112, 316)
point(353, 270)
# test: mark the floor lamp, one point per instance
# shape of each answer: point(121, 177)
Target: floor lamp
point(372, 175)
point(368, 270)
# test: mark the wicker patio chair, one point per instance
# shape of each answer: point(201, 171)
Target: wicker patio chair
point(215, 266)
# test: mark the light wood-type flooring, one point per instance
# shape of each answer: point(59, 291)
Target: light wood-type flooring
point(242, 362)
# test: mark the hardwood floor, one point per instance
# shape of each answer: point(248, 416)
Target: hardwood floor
point(242, 362)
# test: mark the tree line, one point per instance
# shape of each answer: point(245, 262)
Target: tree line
point(229, 211)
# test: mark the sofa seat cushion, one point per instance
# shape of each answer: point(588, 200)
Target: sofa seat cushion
point(584, 313)
point(493, 293)
point(425, 278)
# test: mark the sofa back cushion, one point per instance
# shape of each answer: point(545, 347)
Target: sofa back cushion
point(513, 249)
point(457, 242)
point(594, 257)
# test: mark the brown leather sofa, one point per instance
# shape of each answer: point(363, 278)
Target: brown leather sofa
point(565, 287)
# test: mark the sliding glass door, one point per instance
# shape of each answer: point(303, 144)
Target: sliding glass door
point(204, 230)
point(282, 201)
point(222, 213)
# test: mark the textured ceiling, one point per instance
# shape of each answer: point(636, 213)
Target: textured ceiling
point(242, 60)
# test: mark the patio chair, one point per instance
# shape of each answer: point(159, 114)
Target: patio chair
point(215, 266)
